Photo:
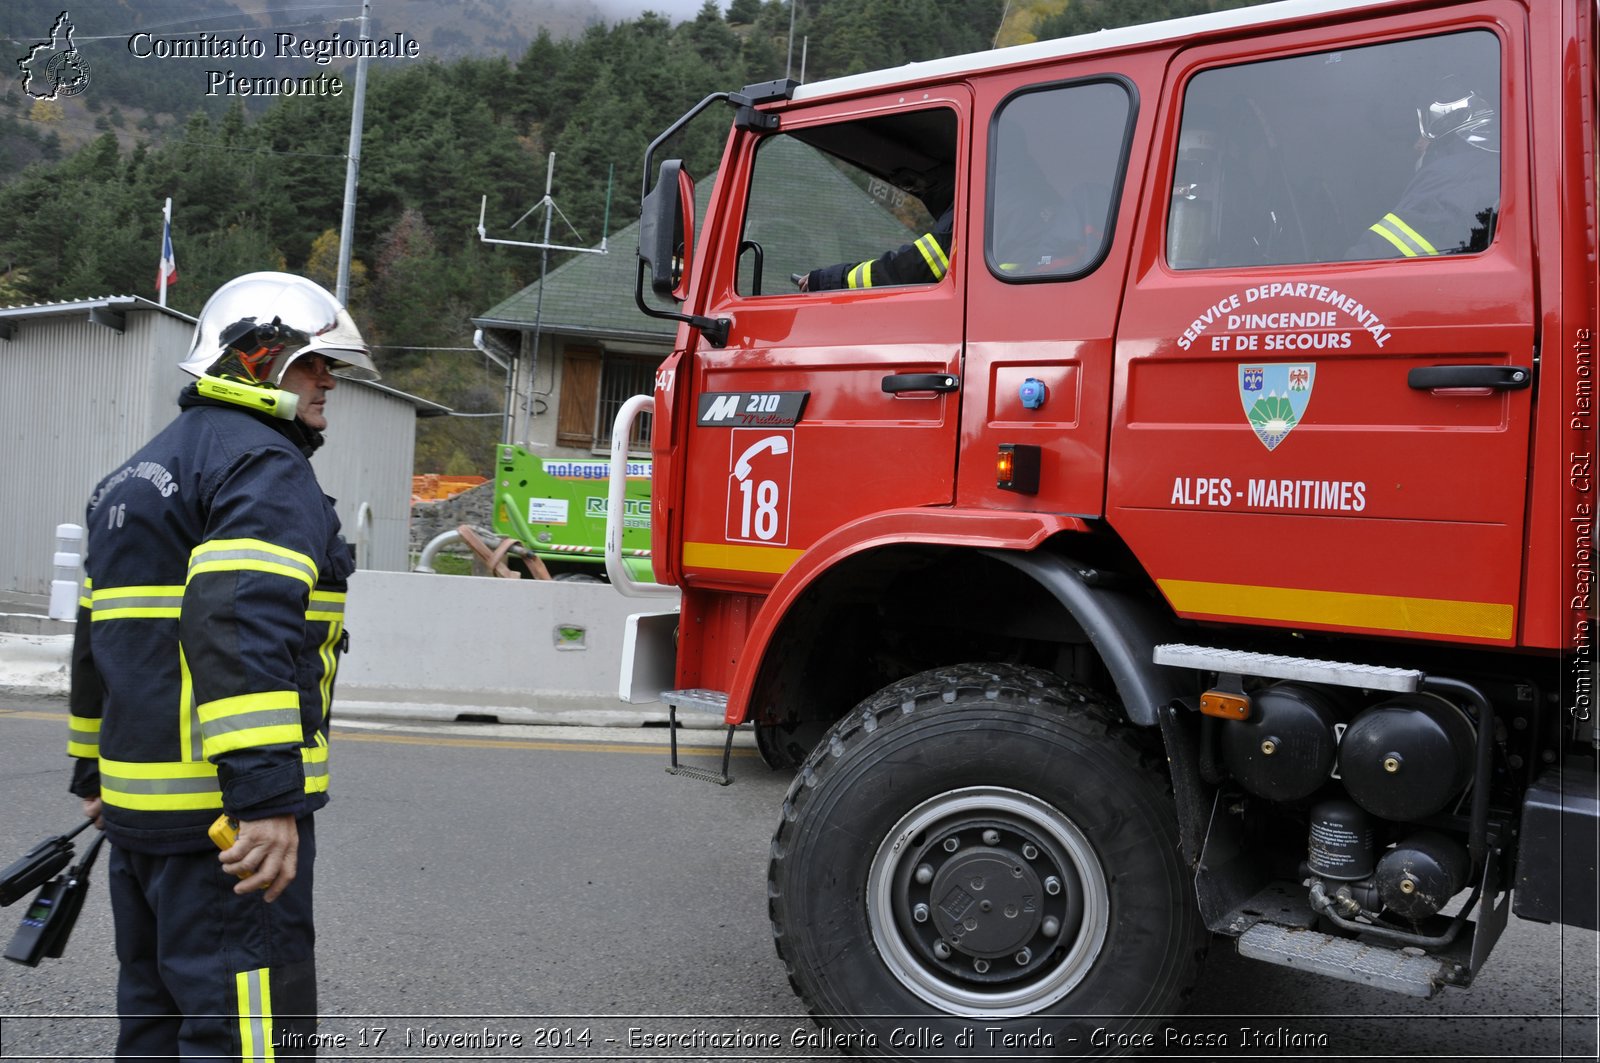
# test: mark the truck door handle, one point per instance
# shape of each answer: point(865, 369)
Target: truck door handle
point(898, 382)
point(1458, 377)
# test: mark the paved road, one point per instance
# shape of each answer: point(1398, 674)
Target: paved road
point(493, 883)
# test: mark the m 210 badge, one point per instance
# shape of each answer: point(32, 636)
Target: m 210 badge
point(1275, 398)
point(751, 409)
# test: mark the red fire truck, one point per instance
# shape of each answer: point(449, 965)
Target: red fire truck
point(1200, 546)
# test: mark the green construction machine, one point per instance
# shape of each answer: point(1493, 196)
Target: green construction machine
point(556, 508)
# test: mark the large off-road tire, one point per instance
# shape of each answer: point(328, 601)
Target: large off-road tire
point(977, 848)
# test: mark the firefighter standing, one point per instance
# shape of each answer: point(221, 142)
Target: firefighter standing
point(203, 667)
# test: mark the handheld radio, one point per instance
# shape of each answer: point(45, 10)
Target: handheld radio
point(37, 865)
point(49, 920)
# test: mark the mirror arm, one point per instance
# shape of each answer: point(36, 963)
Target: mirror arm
point(714, 329)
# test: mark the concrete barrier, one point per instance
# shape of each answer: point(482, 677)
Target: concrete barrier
point(522, 651)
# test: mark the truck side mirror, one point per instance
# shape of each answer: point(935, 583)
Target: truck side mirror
point(666, 231)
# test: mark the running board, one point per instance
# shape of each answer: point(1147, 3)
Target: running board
point(1274, 666)
point(1352, 961)
point(710, 701)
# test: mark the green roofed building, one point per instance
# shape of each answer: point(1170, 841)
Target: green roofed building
point(581, 347)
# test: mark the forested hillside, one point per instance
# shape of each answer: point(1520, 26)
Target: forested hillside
point(254, 190)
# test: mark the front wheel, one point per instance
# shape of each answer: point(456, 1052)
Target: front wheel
point(983, 847)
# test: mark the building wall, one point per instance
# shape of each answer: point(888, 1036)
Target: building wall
point(80, 398)
point(371, 439)
point(545, 384)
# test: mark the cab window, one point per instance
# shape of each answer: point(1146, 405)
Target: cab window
point(1056, 159)
point(851, 205)
point(1383, 152)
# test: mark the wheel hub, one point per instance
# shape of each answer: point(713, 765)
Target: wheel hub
point(980, 904)
point(986, 902)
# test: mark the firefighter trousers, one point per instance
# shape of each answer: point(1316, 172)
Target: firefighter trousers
point(207, 974)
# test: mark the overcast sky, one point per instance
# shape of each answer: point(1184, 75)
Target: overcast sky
point(676, 10)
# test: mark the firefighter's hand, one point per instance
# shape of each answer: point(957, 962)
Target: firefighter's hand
point(92, 810)
point(265, 856)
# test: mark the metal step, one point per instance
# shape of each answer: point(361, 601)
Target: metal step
point(697, 700)
point(1379, 966)
point(1273, 666)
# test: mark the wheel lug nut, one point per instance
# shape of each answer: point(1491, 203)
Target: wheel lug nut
point(1029, 852)
point(1051, 927)
point(1052, 885)
point(920, 913)
point(951, 844)
point(941, 950)
point(991, 837)
point(1024, 958)
point(924, 874)
point(981, 966)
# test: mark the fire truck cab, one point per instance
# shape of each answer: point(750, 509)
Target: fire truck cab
point(1200, 544)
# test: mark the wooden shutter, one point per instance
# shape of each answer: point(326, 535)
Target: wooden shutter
point(580, 394)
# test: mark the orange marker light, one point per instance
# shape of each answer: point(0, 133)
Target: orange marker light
point(1017, 468)
point(1225, 706)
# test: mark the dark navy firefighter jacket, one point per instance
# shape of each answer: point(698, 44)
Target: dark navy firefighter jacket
point(209, 631)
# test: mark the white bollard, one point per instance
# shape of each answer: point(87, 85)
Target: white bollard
point(68, 559)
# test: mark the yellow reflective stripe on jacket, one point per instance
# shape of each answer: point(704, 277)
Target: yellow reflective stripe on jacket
point(1407, 240)
point(84, 600)
point(83, 736)
point(253, 990)
point(933, 255)
point(164, 787)
point(189, 785)
point(860, 276)
point(188, 719)
point(251, 555)
point(127, 603)
point(270, 717)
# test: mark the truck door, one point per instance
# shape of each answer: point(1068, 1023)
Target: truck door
point(1042, 301)
point(828, 405)
point(1324, 366)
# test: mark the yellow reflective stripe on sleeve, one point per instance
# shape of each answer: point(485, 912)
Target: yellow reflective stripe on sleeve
point(860, 276)
point(254, 992)
point(251, 555)
point(326, 605)
point(314, 759)
point(270, 717)
point(126, 603)
point(933, 255)
point(1406, 240)
point(1411, 234)
point(83, 736)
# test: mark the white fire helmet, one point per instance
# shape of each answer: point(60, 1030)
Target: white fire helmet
point(266, 321)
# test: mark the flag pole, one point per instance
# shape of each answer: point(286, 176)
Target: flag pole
point(161, 268)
